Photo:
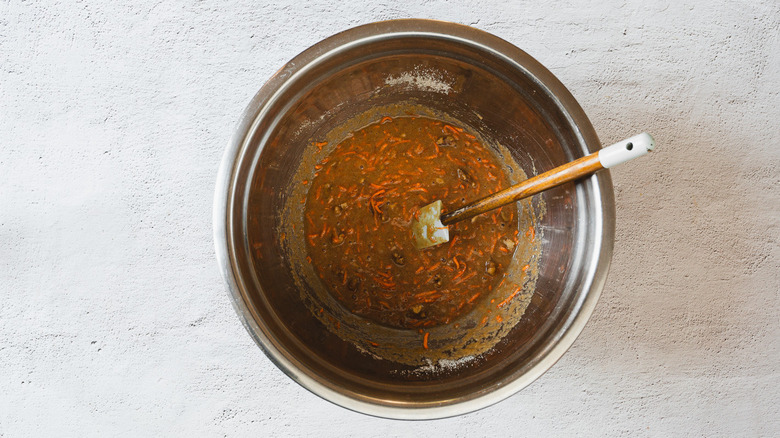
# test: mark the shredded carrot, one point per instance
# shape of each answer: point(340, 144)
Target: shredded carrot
point(452, 243)
point(465, 278)
point(514, 294)
point(431, 298)
point(463, 271)
point(425, 294)
point(425, 340)
point(453, 129)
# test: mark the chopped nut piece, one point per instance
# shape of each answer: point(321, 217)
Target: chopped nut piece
point(417, 312)
point(340, 208)
point(446, 140)
point(490, 267)
point(465, 177)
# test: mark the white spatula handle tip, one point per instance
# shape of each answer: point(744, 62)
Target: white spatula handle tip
point(628, 149)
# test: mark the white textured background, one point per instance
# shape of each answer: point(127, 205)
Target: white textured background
point(114, 320)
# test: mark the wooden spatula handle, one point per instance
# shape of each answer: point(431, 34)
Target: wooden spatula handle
point(610, 156)
point(555, 177)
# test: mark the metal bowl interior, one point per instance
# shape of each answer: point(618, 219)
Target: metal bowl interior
point(476, 78)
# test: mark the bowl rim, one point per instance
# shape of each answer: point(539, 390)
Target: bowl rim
point(224, 197)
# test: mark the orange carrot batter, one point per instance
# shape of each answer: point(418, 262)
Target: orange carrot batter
point(359, 208)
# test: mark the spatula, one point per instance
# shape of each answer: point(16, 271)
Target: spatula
point(430, 227)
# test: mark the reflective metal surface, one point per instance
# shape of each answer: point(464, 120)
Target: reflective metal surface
point(496, 88)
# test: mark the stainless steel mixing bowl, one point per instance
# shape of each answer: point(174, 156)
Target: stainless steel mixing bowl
point(485, 83)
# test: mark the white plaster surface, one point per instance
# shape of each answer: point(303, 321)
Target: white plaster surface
point(114, 320)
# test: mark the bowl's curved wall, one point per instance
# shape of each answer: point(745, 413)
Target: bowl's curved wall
point(493, 86)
